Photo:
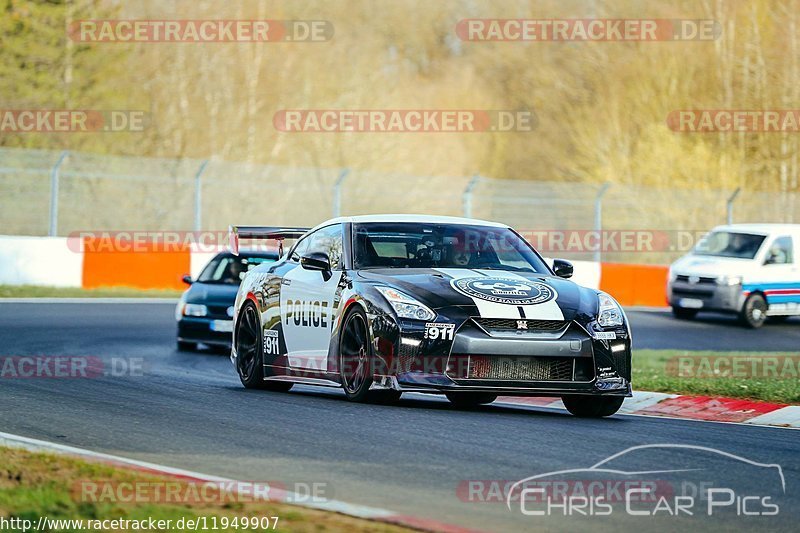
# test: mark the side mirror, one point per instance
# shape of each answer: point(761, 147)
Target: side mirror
point(187, 279)
point(562, 268)
point(317, 261)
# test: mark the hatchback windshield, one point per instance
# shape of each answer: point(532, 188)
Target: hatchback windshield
point(230, 269)
point(420, 245)
point(730, 244)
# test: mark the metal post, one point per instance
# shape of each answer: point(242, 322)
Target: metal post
point(467, 196)
point(598, 220)
point(54, 179)
point(198, 196)
point(337, 193)
point(730, 204)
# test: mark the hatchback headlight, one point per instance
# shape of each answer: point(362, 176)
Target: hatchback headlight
point(405, 306)
point(195, 310)
point(610, 313)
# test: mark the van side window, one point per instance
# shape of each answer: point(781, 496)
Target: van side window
point(781, 252)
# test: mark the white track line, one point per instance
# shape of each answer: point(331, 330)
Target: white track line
point(17, 441)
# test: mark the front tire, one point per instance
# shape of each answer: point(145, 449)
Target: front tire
point(249, 357)
point(754, 311)
point(470, 400)
point(355, 357)
point(592, 406)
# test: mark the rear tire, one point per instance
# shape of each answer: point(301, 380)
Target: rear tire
point(249, 357)
point(592, 406)
point(754, 311)
point(470, 400)
point(684, 313)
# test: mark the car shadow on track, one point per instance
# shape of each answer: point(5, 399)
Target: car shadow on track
point(434, 403)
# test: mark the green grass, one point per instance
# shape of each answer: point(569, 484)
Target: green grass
point(665, 371)
point(35, 484)
point(37, 291)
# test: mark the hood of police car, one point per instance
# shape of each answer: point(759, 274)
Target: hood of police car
point(490, 293)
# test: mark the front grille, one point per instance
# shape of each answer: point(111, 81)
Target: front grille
point(510, 324)
point(520, 368)
point(701, 279)
point(693, 293)
point(218, 311)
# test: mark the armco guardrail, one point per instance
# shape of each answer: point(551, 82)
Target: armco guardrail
point(46, 192)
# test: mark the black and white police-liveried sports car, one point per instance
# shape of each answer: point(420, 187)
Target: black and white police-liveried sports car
point(380, 305)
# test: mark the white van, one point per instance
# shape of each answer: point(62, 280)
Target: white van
point(749, 269)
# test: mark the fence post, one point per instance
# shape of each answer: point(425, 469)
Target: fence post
point(54, 183)
point(198, 196)
point(337, 192)
point(467, 196)
point(598, 220)
point(729, 206)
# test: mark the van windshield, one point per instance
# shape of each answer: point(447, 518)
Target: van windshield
point(730, 244)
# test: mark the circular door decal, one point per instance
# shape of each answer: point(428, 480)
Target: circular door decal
point(505, 290)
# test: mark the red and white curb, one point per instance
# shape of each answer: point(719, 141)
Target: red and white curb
point(691, 407)
point(359, 511)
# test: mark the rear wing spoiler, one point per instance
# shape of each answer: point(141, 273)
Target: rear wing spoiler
point(263, 233)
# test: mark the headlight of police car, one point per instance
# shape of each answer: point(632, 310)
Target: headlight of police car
point(195, 310)
point(729, 280)
point(610, 313)
point(405, 306)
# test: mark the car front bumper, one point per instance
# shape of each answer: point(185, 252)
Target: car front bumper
point(570, 361)
point(705, 296)
point(199, 329)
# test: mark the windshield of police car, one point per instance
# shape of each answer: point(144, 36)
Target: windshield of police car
point(420, 245)
point(730, 244)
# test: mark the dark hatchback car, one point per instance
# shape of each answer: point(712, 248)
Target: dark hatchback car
point(204, 312)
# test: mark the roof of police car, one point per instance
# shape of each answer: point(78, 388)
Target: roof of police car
point(424, 219)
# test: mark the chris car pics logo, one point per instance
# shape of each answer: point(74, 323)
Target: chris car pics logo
point(505, 290)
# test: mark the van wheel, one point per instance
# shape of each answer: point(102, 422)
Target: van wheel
point(754, 311)
point(684, 313)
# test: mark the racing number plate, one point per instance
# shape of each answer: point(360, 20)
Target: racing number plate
point(436, 331)
point(223, 326)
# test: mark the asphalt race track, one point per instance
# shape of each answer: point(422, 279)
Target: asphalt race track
point(188, 410)
point(711, 331)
